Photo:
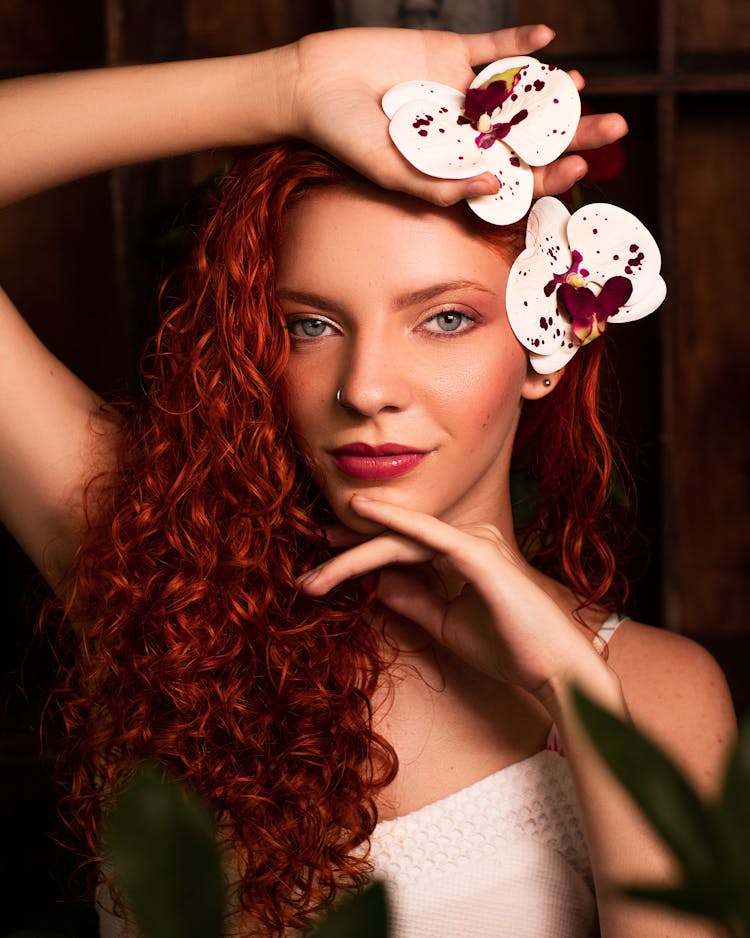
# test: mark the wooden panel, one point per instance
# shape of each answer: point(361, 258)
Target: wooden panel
point(46, 36)
point(711, 329)
point(599, 27)
point(227, 28)
point(56, 265)
point(713, 27)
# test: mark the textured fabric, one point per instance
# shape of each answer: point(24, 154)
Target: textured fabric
point(505, 856)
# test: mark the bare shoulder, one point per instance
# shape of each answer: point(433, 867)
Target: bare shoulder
point(677, 693)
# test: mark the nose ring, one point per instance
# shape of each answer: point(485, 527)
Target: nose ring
point(338, 398)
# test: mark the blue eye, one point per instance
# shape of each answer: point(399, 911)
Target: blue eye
point(308, 328)
point(450, 320)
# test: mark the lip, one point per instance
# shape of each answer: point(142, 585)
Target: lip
point(374, 463)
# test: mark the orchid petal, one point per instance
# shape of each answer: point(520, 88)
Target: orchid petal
point(547, 364)
point(532, 309)
point(550, 100)
point(643, 307)
point(496, 69)
point(615, 243)
point(431, 138)
point(425, 91)
point(513, 198)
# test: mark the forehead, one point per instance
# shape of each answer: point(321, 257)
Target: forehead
point(368, 235)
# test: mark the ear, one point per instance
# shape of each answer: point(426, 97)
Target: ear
point(536, 386)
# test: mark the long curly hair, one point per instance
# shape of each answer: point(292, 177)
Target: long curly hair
point(193, 645)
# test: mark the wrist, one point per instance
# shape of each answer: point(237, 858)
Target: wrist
point(598, 681)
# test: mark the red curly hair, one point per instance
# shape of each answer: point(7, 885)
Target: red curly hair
point(195, 648)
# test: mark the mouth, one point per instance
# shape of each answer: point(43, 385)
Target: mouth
point(374, 463)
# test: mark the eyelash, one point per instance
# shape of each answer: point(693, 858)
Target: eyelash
point(465, 320)
point(304, 319)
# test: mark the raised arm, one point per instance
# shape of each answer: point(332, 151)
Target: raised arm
point(55, 128)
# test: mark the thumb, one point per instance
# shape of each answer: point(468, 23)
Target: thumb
point(520, 40)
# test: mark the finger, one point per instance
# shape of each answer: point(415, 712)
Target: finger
point(466, 552)
point(597, 130)
point(381, 551)
point(559, 176)
point(578, 80)
point(339, 536)
point(520, 40)
point(404, 594)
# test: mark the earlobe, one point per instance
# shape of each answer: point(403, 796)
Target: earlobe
point(537, 386)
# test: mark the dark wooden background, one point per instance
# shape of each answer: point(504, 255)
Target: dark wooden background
point(82, 263)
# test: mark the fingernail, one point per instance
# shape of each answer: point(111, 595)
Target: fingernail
point(478, 187)
point(308, 577)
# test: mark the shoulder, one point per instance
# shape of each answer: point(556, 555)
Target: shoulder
point(677, 694)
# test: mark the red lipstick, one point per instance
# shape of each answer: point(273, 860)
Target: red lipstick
point(362, 461)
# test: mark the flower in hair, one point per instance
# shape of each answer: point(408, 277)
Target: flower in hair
point(577, 274)
point(517, 113)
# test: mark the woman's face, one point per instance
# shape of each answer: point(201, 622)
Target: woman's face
point(402, 310)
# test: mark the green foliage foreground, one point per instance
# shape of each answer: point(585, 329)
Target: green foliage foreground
point(710, 840)
point(162, 844)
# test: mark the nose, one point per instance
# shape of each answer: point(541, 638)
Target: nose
point(375, 376)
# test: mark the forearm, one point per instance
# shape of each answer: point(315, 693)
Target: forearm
point(59, 127)
point(623, 848)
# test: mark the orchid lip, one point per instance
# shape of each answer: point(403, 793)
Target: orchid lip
point(384, 449)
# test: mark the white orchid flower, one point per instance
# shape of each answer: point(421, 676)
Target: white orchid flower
point(578, 273)
point(517, 113)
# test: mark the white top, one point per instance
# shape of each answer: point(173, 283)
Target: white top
point(503, 858)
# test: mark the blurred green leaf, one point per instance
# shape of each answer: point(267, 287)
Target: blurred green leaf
point(364, 915)
point(162, 845)
point(666, 798)
point(693, 898)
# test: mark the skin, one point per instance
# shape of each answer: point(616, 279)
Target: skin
point(487, 646)
point(440, 372)
point(506, 640)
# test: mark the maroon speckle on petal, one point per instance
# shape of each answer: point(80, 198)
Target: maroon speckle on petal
point(543, 323)
point(422, 133)
point(514, 97)
point(594, 231)
point(538, 85)
point(615, 257)
point(527, 88)
point(555, 100)
point(583, 273)
point(633, 248)
point(628, 270)
point(441, 130)
point(514, 161)
point(636, 261)
point(443, 110)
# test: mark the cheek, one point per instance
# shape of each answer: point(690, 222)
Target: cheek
point(481, 388)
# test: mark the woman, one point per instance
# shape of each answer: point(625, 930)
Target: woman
point(339, 354)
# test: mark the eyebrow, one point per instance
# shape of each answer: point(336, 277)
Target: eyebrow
point(323, 303)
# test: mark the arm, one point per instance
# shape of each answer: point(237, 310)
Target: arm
point(60, 127)
point(53, 437)
point(674, 692)
point(507, 622)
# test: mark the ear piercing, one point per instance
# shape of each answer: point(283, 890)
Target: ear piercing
point(547, 382)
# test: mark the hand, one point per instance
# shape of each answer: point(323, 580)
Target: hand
point(339, 78)
point(501, 622)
